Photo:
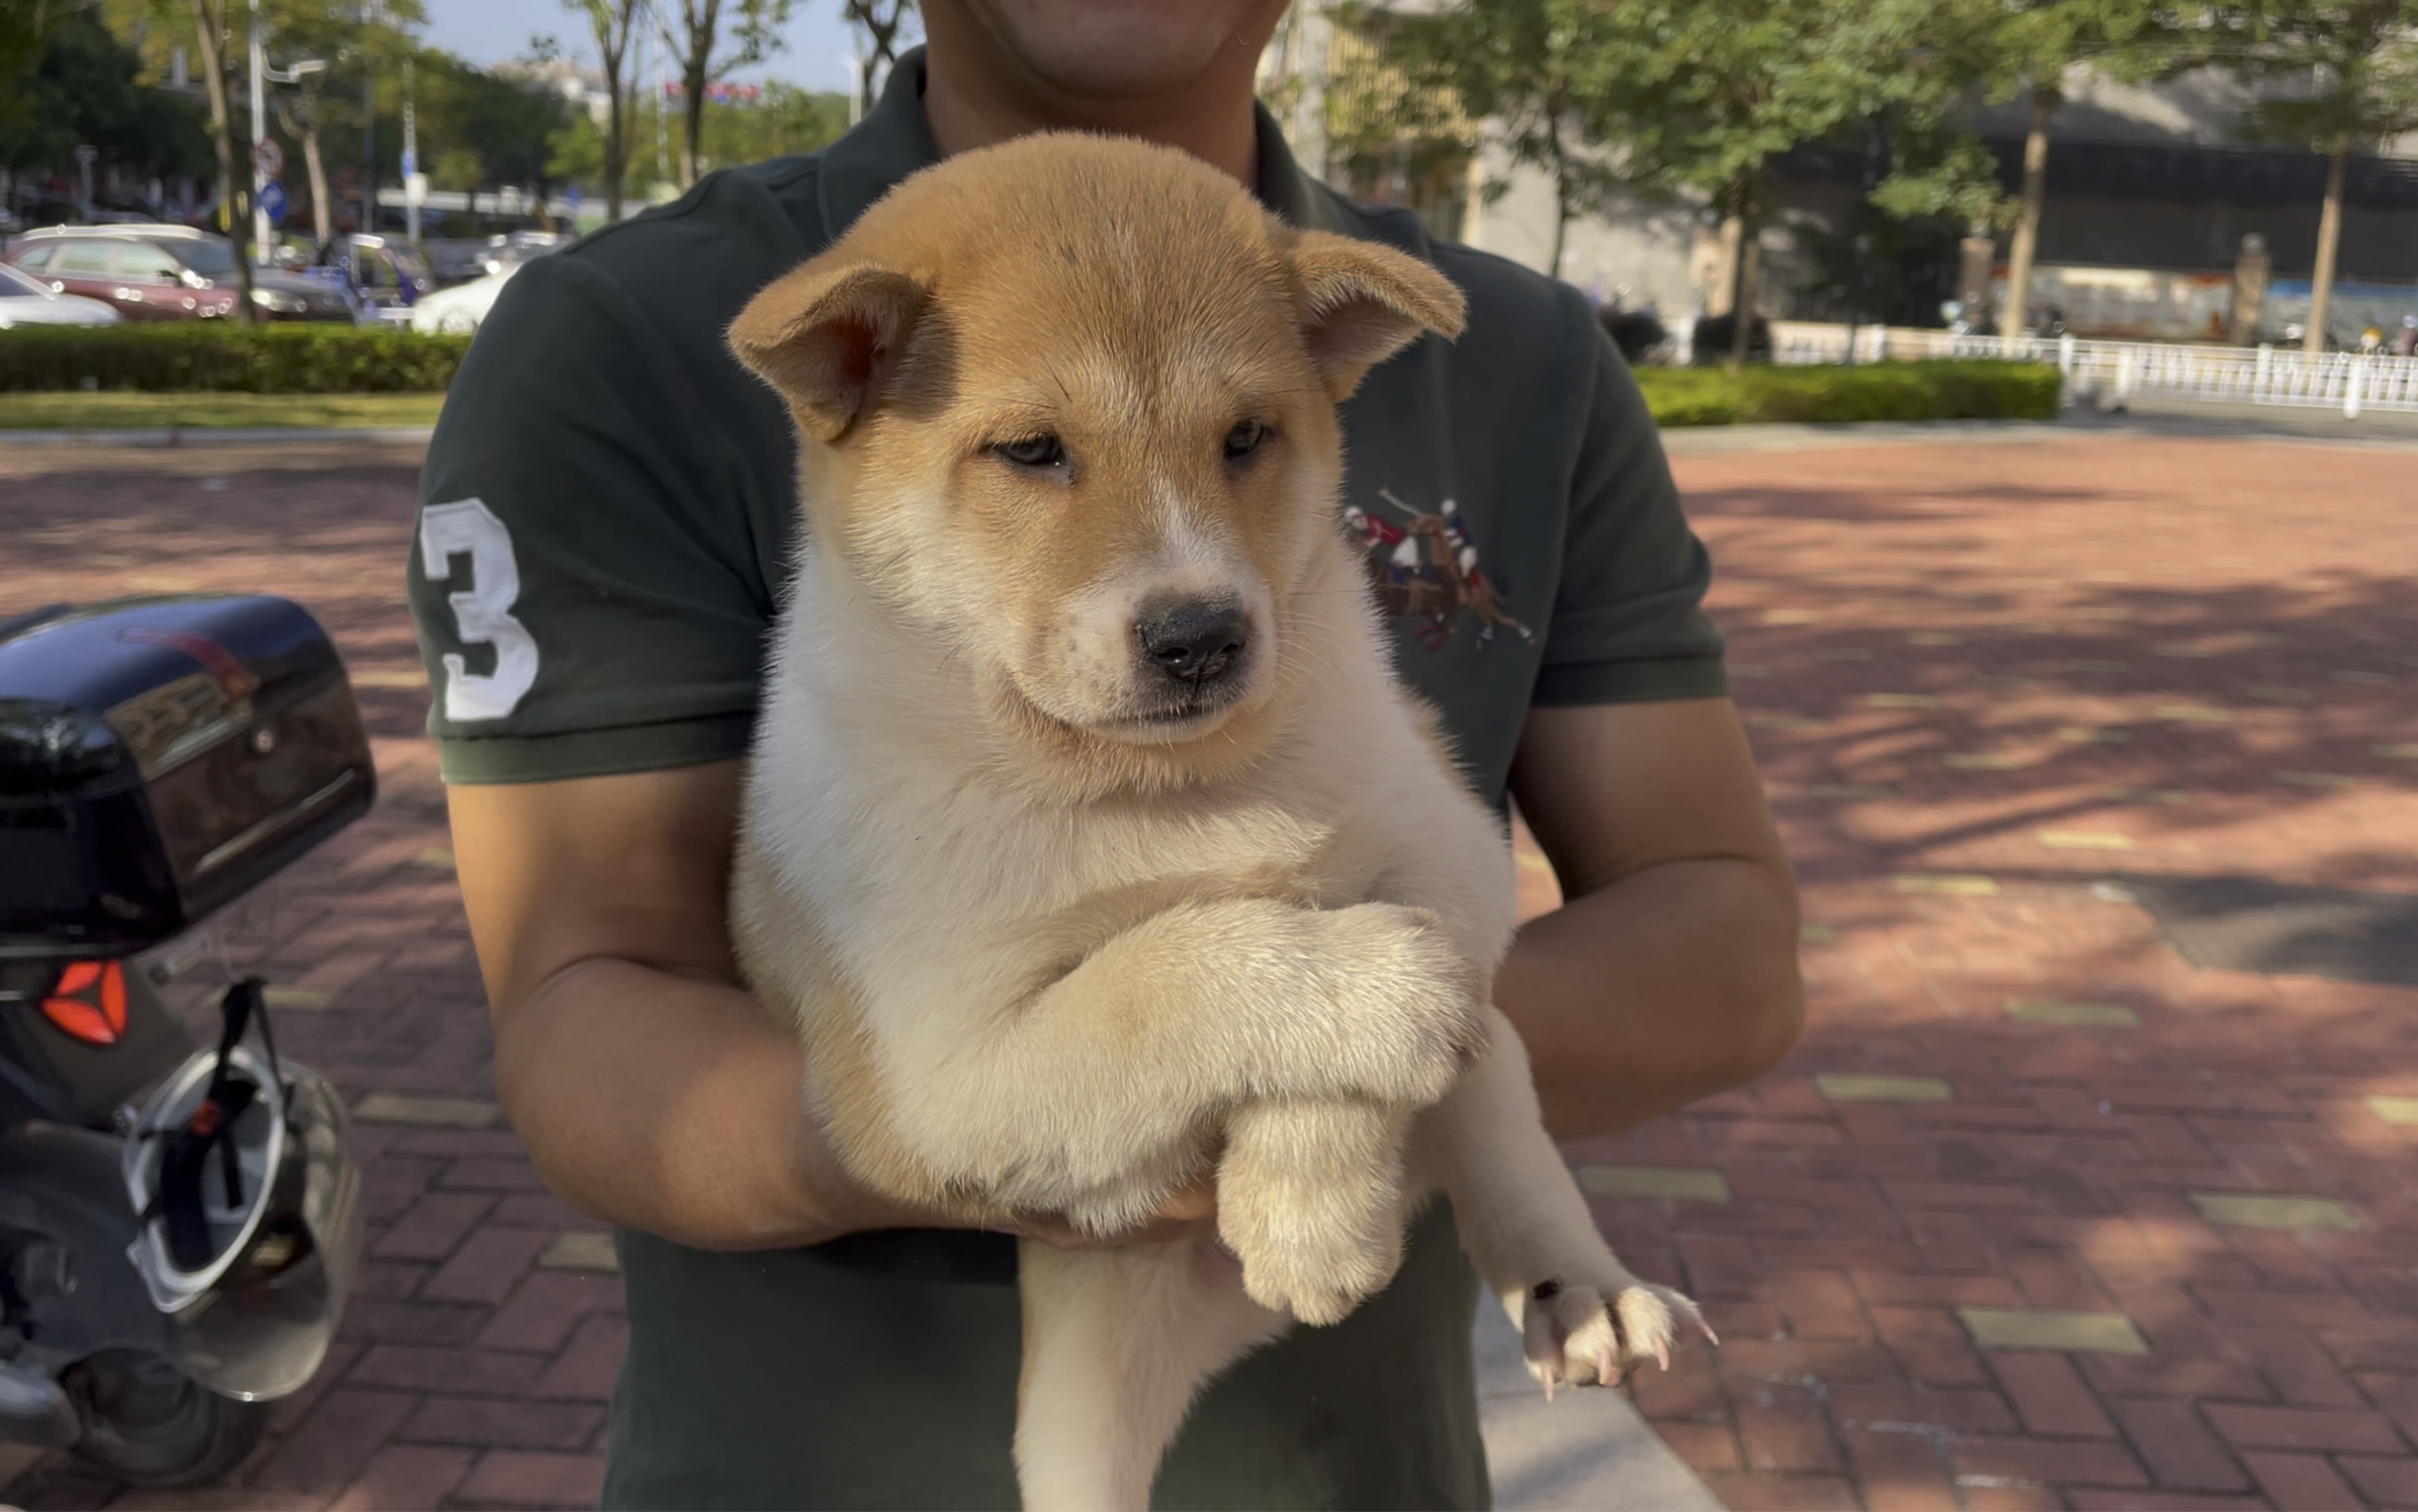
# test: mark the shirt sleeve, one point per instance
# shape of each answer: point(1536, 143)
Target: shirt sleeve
point(584, 575)
point(1629, 623)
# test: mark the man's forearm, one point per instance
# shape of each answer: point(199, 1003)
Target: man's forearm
point(671, 1104)
point(1672, 983)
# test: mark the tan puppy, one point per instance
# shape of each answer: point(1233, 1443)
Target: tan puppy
point(1087, 825)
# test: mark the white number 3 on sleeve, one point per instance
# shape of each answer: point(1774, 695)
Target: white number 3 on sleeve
point(483, 613)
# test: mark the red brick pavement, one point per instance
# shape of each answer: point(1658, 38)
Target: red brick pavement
point(2162, 656)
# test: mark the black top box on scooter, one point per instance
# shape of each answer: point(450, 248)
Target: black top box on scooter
point(160, 757)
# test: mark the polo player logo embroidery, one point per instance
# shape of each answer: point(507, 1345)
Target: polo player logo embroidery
point(1425, 566)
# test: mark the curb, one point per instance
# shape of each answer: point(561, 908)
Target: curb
point(212, 435)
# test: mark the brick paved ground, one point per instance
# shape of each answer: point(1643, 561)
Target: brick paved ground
point(1980, 679)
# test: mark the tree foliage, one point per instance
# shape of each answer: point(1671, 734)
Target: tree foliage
point(785, 120)
point(880, 21)
point(2339, 74)
point(84, 87)
point(696, 35)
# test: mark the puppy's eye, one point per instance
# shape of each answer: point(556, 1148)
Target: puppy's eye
point(1245, 438)
point(1032, 451)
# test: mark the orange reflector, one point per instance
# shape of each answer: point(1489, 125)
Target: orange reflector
point(89, 1003)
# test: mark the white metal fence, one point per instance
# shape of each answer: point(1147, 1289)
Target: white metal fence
point(2351, 382)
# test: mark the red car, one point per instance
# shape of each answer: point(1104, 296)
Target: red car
point(156, 272)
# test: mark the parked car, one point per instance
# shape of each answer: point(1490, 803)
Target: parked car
point(157, 272)
point(515, 248)
point(381, 270)
point(26, 300)
point(459, 311)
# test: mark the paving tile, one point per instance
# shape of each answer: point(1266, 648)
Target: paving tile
point(1652, 1181)
point(282, 998)
point(2084, 840)
point(522, 1478)
point(1844, 1087)
point(427, 1112)
point(2015, 1328)
point(2052, 1011)
point(586, 1250)
point(2395, 1109)
point(1958, 886)
point(2315, 779)
point(2252, 1210)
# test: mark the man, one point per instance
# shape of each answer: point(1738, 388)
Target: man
point(606, 532)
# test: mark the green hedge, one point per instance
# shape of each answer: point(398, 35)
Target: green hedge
point(211, 357)
point(1872, 391)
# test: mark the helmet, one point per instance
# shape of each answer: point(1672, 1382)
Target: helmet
point(243, 1174)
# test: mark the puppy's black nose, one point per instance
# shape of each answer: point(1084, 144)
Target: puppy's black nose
point(1195, 642)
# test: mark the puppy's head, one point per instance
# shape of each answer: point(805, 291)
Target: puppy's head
point(1068, 413)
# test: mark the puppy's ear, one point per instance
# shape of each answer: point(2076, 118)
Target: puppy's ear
point(827, 337)
point(1362, 304)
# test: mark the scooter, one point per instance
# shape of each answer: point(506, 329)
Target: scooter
point(178, 1227)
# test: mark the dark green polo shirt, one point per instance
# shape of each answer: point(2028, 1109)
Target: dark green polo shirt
point(606, 530)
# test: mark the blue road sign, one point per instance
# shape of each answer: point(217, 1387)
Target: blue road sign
point(272, 199)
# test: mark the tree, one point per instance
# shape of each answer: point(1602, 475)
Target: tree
point(755, 36)
point(2025, 49)
point(211, 34)
point(613, 21)
point(784, 120)
point(1538, 74)
point(880, 22)
point(1669, 97)
point(2345, 76)
point(83, 87)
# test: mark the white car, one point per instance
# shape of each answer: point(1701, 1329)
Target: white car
point(457, 311)
point(26, 300)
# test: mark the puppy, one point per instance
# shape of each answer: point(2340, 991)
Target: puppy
point(1088, 837)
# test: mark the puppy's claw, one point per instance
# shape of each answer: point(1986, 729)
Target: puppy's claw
point(1662, 1354)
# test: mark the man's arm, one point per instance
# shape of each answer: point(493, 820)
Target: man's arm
point(1669, 974)
point(650, 1086)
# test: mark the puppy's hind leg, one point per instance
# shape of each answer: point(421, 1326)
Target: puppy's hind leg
point(1117, 1343)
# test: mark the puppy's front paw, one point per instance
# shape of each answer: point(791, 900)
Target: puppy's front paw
point(1310, 1198)
point(1410, 1004)
point(1576, 1335)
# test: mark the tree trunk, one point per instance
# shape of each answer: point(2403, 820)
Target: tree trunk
point(1561, 191)
point(207, 29)
point(2321, 284)
point(1749, 271)
point(692, 87)
point(323, 210)
point(613, 167)
point(2046, 100)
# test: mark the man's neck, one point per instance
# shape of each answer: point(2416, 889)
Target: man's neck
point(970, 107)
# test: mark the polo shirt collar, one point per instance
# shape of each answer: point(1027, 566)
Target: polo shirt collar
point(896, 141)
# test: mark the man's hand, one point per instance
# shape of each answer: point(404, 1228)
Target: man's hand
point(1669, 974)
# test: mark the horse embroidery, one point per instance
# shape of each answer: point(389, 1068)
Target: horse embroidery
point(1427, 567)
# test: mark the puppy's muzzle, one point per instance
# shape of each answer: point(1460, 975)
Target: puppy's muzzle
point(1197, 643)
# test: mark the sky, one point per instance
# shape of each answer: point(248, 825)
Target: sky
point(492, 31)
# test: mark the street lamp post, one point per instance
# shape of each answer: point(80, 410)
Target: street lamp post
point(259, 134)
